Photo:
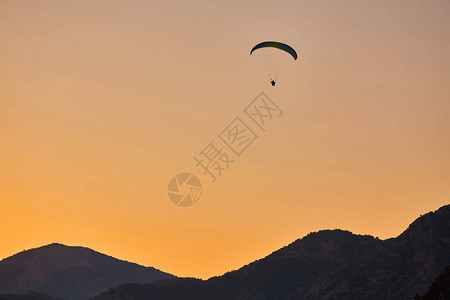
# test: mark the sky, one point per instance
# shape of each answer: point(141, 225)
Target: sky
point(103, 102)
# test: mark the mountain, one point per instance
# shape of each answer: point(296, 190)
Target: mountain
point(330, 264)
point(440, 289)
point(29, 296)
point(404, 266)
point(70, 273)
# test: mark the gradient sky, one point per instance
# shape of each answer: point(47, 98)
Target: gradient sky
point(102, 102)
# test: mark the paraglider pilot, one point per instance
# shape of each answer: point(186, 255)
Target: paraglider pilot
point(277, 45)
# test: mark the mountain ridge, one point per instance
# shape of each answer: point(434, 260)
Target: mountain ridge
point(56, 244)
point(69, 272)
point(329, 264)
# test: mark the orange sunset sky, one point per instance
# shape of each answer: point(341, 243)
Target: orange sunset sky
point(102, 102)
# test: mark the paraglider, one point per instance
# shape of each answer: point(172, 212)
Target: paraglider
point(274, 61)
point(277, 45)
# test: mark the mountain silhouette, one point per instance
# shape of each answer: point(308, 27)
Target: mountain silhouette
point(329, 264)
point(70, 273)
point(29, 296)
point(440, 289)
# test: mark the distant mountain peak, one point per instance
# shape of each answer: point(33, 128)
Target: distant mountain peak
point(69, 272)
point(429, 227)
point(55, 245)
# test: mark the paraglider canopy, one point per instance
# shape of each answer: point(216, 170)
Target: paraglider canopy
point(278, 45)
point(274, 57)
